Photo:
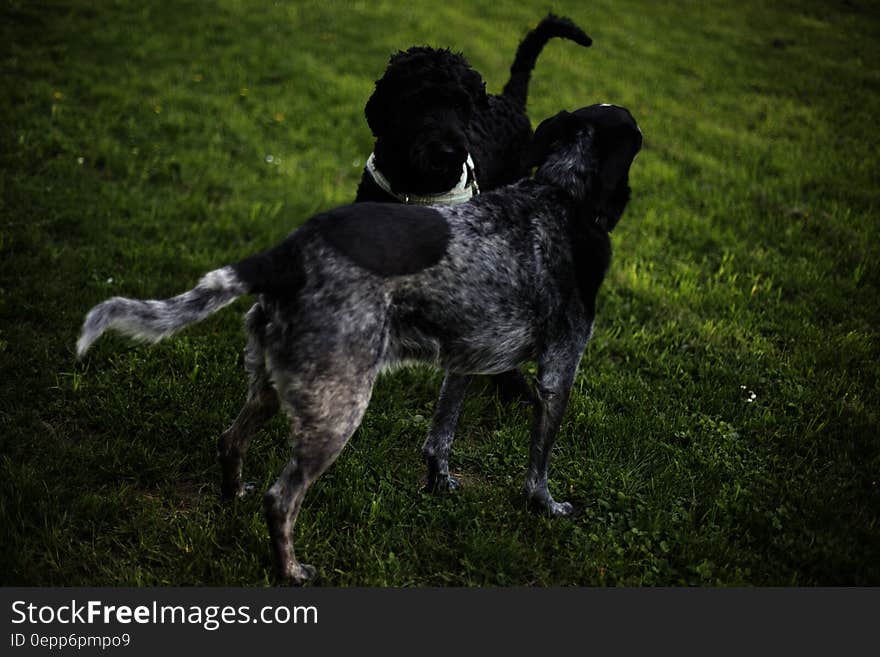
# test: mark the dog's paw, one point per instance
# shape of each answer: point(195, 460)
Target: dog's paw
point(233, 492)
point(442, 483)
point(544, 503)
point(560, 509)
point(299, 574)
point(449, 483)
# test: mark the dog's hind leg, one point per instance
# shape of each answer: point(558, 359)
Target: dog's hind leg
point(261, 405)
point(556, 370)
point(440, 436)
point(324, 415)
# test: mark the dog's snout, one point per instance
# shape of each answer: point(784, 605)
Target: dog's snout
point(445, 150)
point(445, 155)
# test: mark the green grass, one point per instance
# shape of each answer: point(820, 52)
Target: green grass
point(723, 428)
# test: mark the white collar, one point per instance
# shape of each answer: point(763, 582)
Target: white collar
point(463, 190)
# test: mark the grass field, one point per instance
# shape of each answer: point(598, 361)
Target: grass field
point(723, 429)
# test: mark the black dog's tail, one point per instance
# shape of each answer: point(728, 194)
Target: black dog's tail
point(517, 86)
point(276, 272)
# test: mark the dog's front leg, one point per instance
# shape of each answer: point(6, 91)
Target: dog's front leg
point(442, 432)
point(556, 371)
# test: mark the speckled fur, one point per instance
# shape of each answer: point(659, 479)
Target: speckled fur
point(517, 281)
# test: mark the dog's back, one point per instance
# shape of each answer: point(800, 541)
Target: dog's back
point(469, 288)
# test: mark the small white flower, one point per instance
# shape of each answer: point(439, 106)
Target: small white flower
point(270, 158)
point(110, 280)
point(80, 160)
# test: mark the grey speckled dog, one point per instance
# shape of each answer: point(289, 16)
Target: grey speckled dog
point(481, 287)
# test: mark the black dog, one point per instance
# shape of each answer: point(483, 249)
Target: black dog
point(479, 287)
point(440, 137)
point(439, 134)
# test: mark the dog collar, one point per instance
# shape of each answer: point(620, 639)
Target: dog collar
point(464, 190)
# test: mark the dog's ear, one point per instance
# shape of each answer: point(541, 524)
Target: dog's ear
point(376, 113)
point(378, 110)
point(476, 88)
point(617, 140)
point(617, 148)
point(557, 128)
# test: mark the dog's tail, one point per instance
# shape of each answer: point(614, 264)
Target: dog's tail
point(517, 86)
point(276, 272)
point(152, 320)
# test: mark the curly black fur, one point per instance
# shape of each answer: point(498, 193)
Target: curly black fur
point(430, 109)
